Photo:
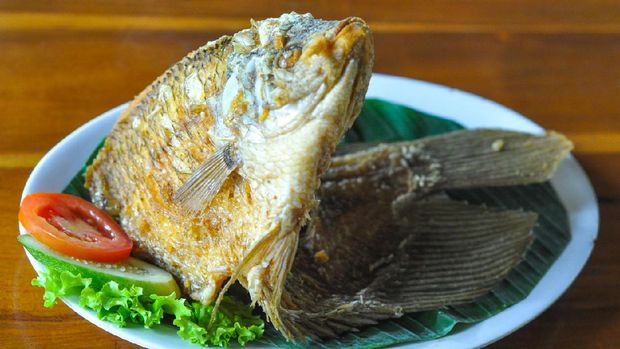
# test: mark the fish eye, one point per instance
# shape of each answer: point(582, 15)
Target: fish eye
point(287, 58)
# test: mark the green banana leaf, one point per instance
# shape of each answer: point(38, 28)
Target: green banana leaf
point(384, 121)
point(76, 185)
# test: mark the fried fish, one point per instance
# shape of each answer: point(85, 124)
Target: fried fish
point(212, 169)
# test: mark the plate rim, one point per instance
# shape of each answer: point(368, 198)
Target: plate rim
point(455, 340)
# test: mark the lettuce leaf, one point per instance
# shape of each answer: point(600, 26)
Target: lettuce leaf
point(123, 306)
point(234, 320)
point(59, 284)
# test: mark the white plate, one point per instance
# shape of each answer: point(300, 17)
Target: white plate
point(62, 162)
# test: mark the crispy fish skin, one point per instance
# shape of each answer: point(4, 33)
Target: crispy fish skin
point(283, 92)
point(383, 242)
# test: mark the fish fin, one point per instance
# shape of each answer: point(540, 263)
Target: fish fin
point(348, 148)
point(457, 160)
point(278, 247)
point(447, 253)
point(455, 251)
point(488, 157)
point(202, 186)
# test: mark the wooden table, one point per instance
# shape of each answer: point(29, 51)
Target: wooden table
point(63, 62)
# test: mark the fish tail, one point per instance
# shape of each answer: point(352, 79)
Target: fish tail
point(449, 252)
point(465, 250)
point(486, 157)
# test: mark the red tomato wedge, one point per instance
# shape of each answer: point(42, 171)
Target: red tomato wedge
point(75, 227)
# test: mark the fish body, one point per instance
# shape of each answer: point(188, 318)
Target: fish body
point(263, 109)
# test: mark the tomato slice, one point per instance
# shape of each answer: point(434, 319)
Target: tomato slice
point(75, 227)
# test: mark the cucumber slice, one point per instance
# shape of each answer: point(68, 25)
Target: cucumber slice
point(131, 271)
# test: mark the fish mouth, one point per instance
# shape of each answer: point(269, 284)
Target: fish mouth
point(337, 42)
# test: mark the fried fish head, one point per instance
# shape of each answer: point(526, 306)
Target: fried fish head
point(280, 95)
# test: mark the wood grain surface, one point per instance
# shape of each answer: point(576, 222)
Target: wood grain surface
point(557, 62)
